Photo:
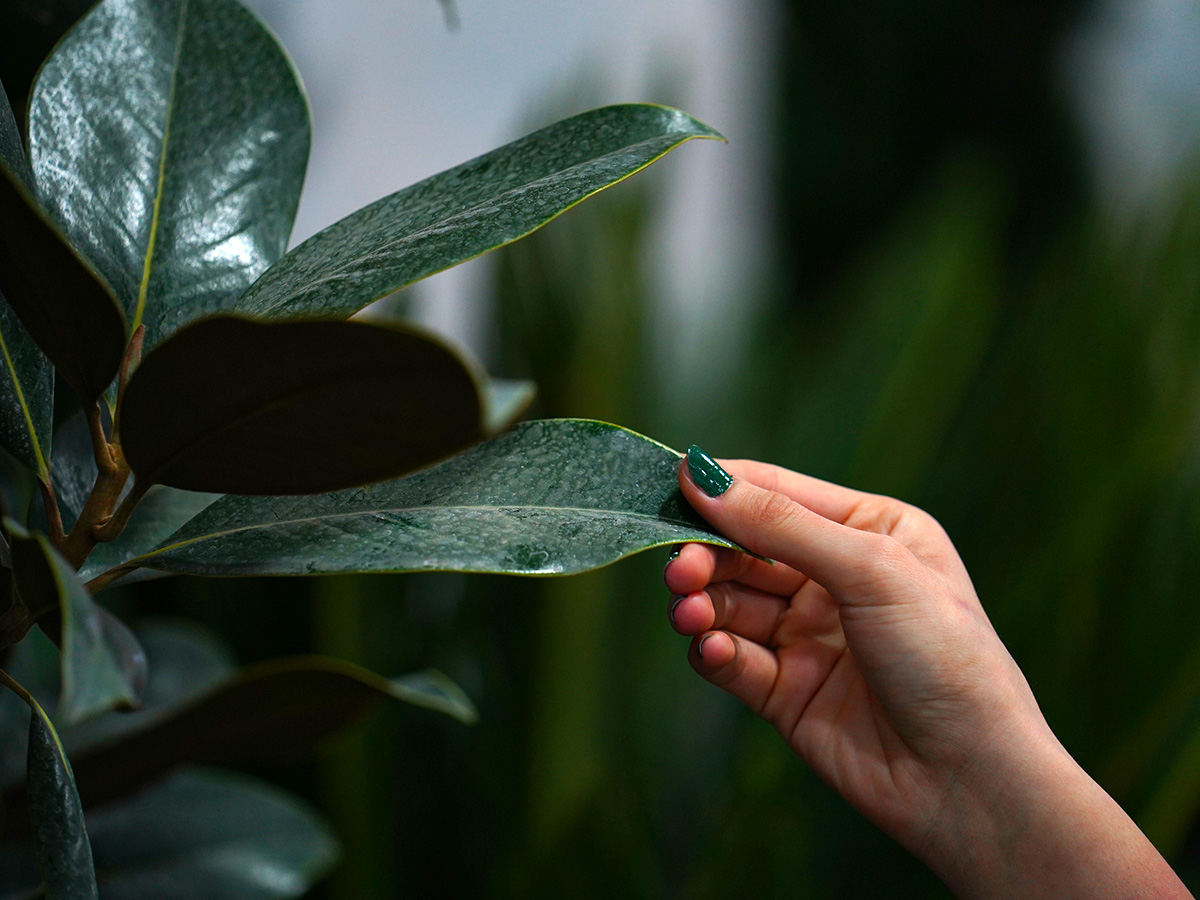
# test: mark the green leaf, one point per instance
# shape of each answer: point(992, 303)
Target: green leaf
point(200, 834)
point(60, 840)
point(281, 709)
point(73, 467)
point(295, 407)
point(63, 303)
point(29, 29)
point(170, 137)
point(465, 211)
point(101, 663)
point(12, 150)
point(214, 835)
point(546, 498)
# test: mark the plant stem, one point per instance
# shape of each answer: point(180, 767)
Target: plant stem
point(104, 579)
point(53, 515)
point(110, 528)
point(133, 355)
point(13, 685)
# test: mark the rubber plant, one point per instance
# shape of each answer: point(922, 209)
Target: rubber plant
point(221, 412)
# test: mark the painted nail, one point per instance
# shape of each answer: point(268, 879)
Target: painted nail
point(700, 646)
point(675, 553)
point(705, 472)
point(678, 599)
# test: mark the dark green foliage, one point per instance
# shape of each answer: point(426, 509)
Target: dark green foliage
point(167, 146)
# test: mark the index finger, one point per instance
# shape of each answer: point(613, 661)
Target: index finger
point(833, 501)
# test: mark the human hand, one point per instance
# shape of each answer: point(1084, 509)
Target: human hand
point(867, 648)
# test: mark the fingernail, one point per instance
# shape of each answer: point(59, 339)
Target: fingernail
point(705, 472)
point(675, 553)
point(675, 603)
point(700, 646)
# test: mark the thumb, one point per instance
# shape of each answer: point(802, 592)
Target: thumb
point(839, 558)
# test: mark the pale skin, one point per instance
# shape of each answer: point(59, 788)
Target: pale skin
point(868, 650)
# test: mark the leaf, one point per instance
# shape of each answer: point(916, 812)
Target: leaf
point(275, 710)
point(170, 137)
point(295, 407)
point(60, 840)
point(546, 498)
point(27, 384)
point(466, 211)
point(64, 305)
point(214, 835)
point(200, 834)
point(101, 663)
point(73, 467)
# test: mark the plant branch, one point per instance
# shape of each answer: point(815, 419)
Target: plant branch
point(109, 528)
point(53, 514)
point(104, 579)
point(133, 355)
point(13, 685)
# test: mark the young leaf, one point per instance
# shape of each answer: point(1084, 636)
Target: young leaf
point(280, 709)
point(65, 306)
point(101, 664)
point(60, 841)
point(170, 137)
point(295, 407)
point(546, 498)
point(465, 211)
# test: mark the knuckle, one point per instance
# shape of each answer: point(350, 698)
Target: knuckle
point(768, 509)
point(888, 556)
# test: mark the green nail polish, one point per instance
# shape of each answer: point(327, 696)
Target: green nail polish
point(705, 472)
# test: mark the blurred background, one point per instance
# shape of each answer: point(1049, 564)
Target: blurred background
point(951, 253)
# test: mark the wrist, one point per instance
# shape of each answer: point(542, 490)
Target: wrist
point(1033, 824)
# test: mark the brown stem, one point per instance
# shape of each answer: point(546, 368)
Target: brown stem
point(133, 355)
point(11, 683)
point(110, 528)
point(104, 579)
point(53, 515)
point(100, 446)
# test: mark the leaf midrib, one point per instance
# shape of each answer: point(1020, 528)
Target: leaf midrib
point(148, 260)
point(582, 510)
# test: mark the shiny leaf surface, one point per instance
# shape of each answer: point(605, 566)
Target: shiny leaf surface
point(29, 29)
point(201, 834)
point(170, 137)
point(60, 840)
point(65, 306)
point(295, 407)
point(463, 212)
point(276, 710)
point(546, 498)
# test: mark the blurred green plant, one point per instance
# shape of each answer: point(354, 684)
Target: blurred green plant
point(227, 420)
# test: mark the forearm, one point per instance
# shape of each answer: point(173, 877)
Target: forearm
point(1045, 829)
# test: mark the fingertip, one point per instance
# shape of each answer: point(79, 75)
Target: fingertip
point(691, 570)
point(691, 613)
point(713, 651)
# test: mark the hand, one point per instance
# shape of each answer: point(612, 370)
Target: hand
point(867, 648)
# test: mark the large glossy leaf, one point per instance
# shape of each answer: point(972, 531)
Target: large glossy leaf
point(60, 841)
point(465, 211)
point(169, 137)
point(65, 306)
point(200, 834)
point(73, 467)
point(102, 665)
point(546, 498)
point(295, 407)
point(278, 710)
